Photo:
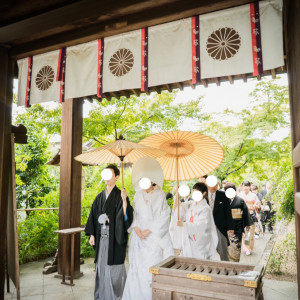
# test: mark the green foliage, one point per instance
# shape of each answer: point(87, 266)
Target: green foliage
point(277, 260)
point(36, 231)
point(281, 254)
point(248, 150)
point(43, 118)
point(138, 117)
point(32, 175)
point(36, 235)
point(283, 190)
point(35, 186)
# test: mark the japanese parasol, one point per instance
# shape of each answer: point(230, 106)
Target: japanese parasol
point(119, 151)
point(188, 155)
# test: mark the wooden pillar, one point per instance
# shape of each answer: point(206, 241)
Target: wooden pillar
point(70, 180)
point(292, 43)
point(6, 98)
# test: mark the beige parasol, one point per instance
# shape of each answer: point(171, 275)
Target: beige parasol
point(188, 155)
point(119, 151)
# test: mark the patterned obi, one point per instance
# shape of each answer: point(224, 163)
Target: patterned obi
point(237, 213)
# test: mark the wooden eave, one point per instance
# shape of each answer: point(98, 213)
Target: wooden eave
point(180, 85)
point(66, 23)
point(32, 27)
point(55, 161)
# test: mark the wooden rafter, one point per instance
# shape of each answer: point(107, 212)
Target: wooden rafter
point(204, 82)
point(167, 87)
point(69, 25)
point(244, 76)
point(273, 72)
point(179, 85)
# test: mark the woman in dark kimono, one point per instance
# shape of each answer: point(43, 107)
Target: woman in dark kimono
point(241, 219)
point(110, 217)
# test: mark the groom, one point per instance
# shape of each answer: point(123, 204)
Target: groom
point(110, 217)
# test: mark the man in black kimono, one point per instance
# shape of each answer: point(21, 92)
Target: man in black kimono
point(241, 219)
point(110, 217)
point(220, 207)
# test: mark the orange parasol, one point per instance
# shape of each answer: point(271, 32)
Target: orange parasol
point(188, 155)
point(119, 151)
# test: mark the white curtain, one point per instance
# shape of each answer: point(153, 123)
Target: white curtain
point(170, 54)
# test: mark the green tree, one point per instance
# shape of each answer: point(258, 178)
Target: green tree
point(247, 147)
point(138, 117)
point(33, 180)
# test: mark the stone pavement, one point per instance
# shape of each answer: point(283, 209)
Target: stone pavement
point(36, 286)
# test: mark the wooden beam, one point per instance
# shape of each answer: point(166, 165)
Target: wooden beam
point(20, 134)
point(70, 180)
point(157, 12)
point(67, 17)
point(204, 82)
point(179, 85)
point(167, 87)
point(6, 99)
point(230, 79)
point(125, 93)
point(114, 94)
point(135, 92)
point(217, 80)
point(291, 29)
point(244, 76)
point(273, 72)
point(296, 156)
point(297, 203)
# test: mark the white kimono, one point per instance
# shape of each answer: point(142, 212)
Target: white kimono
point(152, 212)
point(198, 237)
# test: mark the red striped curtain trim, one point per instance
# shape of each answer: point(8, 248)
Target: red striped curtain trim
point(196, 70)
point(100, 68)
point(256, 39)
point(61, 74)
point(144, 58)
point(28, 84)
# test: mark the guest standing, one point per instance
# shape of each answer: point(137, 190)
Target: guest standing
point(253, 203)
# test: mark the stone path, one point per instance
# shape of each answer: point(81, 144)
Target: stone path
point(36, 286)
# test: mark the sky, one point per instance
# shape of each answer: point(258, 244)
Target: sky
point(216, 100)
point(227, 96)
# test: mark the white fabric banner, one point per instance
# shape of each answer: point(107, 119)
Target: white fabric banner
point(81, 70)
point(271, 33)
point(225, 42)
point(44, 86)
point(122, 62)
point(22, 80)
point(226, 48)
point(170, 54)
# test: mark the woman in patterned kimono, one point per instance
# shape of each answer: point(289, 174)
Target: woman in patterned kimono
point(241, 220)
point(253, 203)
point(198, 237)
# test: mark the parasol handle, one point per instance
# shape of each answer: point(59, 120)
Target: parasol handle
point(122, 171)
point(179, 222)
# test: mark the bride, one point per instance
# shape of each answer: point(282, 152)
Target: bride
point(149, 241)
